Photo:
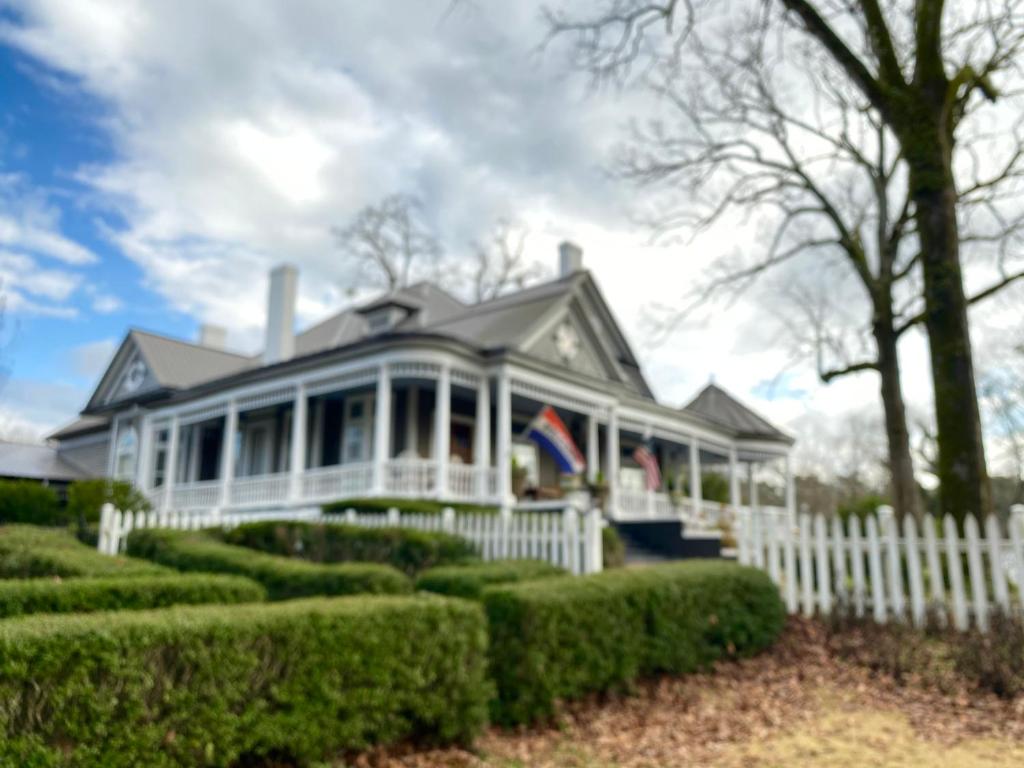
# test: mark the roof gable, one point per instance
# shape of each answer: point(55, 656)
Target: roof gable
point(146, 363)
point(716, 405)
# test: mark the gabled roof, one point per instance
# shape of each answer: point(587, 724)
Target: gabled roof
point(718, 406)
point(180, 364)
point(509, 323)
point(36, 462)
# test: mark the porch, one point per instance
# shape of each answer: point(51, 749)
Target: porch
point(428, 428)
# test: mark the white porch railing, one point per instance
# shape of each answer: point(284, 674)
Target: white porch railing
point(202, 495)
point(410, 477)
point(260, 490)
point(402, 478)
point(337, 482)
point(889, 572)
point(566, 538)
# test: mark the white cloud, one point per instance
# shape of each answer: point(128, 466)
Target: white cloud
point(29, 223)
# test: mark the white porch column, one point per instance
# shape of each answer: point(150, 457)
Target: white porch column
point(612, 460)
point(696, 488)
point(504, 446)
point(115, 428)
point(752, 487)
point(381, 428)
point(171, 469)
point(482, 435)
point(734, 480)
point(297, 461)
point(592, 449)
point(227, 452)
point(443, 428)
point(790, 487)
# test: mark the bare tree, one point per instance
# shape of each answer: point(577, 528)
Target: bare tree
point(390, 243)
point(918, 71)
point(500, 263)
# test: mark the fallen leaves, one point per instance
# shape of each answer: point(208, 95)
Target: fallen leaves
point(793, 704)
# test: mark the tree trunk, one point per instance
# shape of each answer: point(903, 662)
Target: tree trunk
point(963, 479)
point(905, 498)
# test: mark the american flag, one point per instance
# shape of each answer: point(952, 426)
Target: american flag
point(644, 456)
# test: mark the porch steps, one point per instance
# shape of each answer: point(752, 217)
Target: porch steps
point(661, 540)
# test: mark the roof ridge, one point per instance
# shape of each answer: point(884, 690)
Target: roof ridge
point(184, 343)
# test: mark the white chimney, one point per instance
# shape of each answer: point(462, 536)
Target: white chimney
point(280, 345)
point(213, 336)
point(570, 259)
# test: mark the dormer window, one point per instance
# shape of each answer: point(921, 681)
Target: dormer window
point(383, 315)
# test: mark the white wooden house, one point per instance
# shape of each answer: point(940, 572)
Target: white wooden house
point(415, 394)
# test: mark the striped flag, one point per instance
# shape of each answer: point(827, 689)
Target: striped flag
point(644, 456)
point(550, 432)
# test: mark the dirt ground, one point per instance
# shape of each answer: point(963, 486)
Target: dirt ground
point(795, 706)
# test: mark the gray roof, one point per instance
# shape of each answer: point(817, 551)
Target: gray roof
point(36, 462)
point(180, 364)
point(503, 323)
point(83, 425)
point(432, 305)
point(718, 406)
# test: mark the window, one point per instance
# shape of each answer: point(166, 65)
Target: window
point(355, 438)
point(160, 457)
point(127, 452)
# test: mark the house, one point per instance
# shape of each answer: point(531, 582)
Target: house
point(414, 394)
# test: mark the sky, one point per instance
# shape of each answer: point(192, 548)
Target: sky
point(158, 158)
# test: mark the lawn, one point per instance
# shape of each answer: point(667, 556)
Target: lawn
point(799, 705)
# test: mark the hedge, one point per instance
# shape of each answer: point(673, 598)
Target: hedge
point(28, 551)
point(283, 578)
point(19, 597)
point(419, 506)
point(23, 501)
point(562, 638)
point(87, 497)
point(469, 581)
point(255, 684)
point(408, 550)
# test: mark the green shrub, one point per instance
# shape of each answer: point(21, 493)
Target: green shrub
point(24, 596)
point(562, 638)
point(276, 684)
point(469, 580)
point(613, 548)
point(87, 497)
point(27, 551)
point(284, 578)
point(22, 501)
point(419, 506)
point(408, 550)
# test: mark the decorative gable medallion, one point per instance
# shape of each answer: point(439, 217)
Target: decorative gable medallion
point(567, 342)
point(134, 376)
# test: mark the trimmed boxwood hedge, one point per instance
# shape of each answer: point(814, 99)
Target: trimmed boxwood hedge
point(28, 551)
point(236, 685)
point(19, 597)
point(26, 501)
point(562, 638)
point(284, 578)
point(469, 581)
point(408, 550)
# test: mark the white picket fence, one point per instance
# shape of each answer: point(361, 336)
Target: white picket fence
point(889, 573)
point(565, 538)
